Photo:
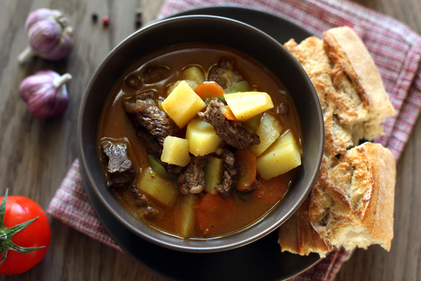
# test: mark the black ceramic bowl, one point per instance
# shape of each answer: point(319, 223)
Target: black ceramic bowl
point(205, 29)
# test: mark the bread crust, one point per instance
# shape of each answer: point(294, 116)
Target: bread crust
point(356, 196)
point(354, 190)
point(350, 55)
point(311, 55)
point(378, 217)
point(298, 236)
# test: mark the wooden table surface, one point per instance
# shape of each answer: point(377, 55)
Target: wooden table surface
point(36, 154)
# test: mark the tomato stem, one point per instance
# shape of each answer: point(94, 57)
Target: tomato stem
point(6, 234)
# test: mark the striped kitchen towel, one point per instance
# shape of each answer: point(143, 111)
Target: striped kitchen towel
point(395, 48)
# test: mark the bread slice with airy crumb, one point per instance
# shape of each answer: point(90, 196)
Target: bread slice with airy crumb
point(351, 203)
point(352, 59)
point(349, 87)
point(312, 56)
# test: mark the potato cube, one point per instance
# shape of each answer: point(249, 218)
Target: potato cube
point(214, 174)
point(245, 105)
point(175, 151)
point(269, 130)
point(182, 104)
point(192, 84)
point(193, 73)
point(163, 191)
point(282, 156)
point(202, 138)
point(188, 216)
point(254, 122)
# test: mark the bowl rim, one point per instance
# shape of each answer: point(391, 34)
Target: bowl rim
point(164, 239)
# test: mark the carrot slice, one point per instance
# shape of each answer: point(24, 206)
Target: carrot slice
point(228, 114)
point(203, 222)
point(209, 89)
point(247, 169)
point(271, 190)
point(211, 211)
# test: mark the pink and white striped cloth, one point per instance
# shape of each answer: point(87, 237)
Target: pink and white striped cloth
point(395, 48)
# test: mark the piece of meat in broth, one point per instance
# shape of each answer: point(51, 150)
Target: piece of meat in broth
point(144, 112)
point(224, 74)
point(234, 133)
point(193, 177)
point(230, 174)
point(120, 171)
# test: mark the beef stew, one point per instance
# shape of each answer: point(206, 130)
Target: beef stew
point(218, 177)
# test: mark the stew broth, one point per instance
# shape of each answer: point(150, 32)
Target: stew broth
point(241, 209)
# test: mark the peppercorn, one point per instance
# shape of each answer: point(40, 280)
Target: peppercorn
point(105, 20)
point(94, 17)
point(138, 23)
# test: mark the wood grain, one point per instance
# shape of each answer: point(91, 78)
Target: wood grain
point(36, 154)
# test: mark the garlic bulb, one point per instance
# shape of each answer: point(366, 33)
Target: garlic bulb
point(49, 35)
point(45, 93)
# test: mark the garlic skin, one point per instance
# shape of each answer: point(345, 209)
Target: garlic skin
point(39, 15)
point(45, 93)
point(49, 35)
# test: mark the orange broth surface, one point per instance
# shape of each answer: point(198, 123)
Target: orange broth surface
point(242, 210)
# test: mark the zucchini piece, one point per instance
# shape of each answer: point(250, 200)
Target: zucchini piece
point(254, 122)
point(214, 174)
point(160, 170)
point(242, 86)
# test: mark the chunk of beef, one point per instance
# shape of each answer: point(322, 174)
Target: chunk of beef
point(151, 143)
point(155, 74)
point(144, 112)
point(120, 170)
point(230, 174)
point(193, 177)
point(225, 75)
point(150, 211)
point(155, 150)
point(233, 133)
point(152, 125)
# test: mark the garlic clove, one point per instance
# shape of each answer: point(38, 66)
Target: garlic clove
point(44, 36)
point(49, 35)
point(45, 93)
point(62, 50)
point(34, 84)
point(41, 14)
point(43, 104)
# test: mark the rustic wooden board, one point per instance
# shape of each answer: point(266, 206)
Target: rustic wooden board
point(36, 154)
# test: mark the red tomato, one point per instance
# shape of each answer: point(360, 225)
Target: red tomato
point(20, 209)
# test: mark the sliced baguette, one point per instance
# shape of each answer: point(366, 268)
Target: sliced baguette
point(351, 203)
point(350, 57)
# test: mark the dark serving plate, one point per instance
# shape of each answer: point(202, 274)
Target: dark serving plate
point(261, 260)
